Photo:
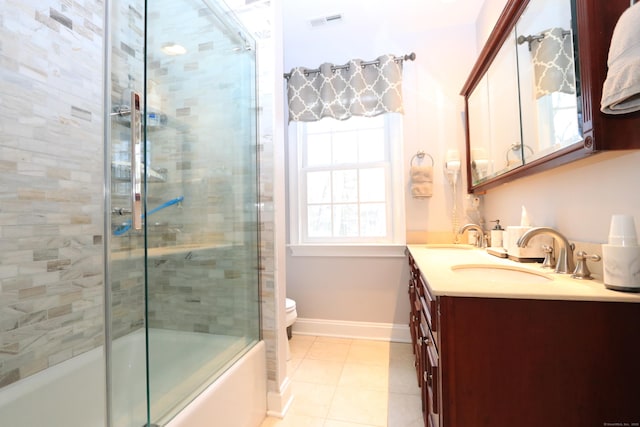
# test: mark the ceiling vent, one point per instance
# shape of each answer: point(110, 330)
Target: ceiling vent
point(329, 19)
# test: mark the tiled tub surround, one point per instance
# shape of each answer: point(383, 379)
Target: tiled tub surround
point(51, 221)
point(208, 290)
point(51, 258)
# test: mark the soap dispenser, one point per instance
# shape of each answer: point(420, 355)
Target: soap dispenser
point(496, 235)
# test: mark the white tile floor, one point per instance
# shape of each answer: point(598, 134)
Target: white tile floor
point(351, 383)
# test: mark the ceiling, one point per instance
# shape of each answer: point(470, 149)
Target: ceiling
point(410, 15)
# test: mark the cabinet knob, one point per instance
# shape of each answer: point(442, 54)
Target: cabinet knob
point(427, 377)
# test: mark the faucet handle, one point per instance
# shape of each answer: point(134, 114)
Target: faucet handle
point(582, 271)
point(549, 259)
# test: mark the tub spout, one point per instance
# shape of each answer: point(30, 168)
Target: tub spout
point(564, 260)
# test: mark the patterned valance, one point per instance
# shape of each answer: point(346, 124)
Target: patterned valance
point(552, 57)
point(354, 89)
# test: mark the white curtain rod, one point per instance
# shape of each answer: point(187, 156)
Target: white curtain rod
point(409, 57)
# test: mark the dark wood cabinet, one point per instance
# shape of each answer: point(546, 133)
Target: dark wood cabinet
point(423, 323)
point(499, 362)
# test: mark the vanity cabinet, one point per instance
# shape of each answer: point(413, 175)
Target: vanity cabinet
point(500, 362)
point(557, 118)
point(423, 323)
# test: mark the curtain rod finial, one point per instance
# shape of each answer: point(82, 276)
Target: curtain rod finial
point(411, 56)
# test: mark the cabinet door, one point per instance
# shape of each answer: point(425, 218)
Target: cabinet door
point(531, 363)
point(412, 311)
point(557, 129)
point(429, 375)
point(504, 110)
point(432, 379)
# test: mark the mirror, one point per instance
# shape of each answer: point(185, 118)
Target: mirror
point(549, 103)
point(526, 105)
point(494, 118)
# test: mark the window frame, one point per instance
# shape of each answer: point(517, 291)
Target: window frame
point(393, 243)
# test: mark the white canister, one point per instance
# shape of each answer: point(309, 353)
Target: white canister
point(621, 267)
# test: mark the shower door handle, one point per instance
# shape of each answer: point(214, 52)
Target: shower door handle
point(136, 162)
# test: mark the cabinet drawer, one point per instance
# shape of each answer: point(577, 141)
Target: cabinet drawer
point(413, 267)
point(429, 303)
point(431, 379)
point(428, 321)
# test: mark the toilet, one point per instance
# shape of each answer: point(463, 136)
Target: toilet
point(290, 318)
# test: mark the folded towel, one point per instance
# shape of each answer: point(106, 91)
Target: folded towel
point(621, 89)
point(421, 181)
point(421, 174)
point(421, 190)
point(553, 64)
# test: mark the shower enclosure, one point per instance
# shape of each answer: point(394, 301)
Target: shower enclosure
point(128, 222)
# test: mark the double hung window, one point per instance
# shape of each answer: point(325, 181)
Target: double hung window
point(346, 183)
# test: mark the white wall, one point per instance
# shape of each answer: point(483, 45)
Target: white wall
point(374, 289)
point(578, 198)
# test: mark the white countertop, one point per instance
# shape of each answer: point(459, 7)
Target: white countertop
point(436, 261)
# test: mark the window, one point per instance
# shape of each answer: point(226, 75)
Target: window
point(346, 183)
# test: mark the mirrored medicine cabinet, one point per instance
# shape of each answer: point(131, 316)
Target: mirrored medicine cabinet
point(533, 96)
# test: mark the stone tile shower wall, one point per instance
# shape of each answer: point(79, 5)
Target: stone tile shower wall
point(51, 204)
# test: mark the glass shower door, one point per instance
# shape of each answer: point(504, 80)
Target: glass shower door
point(201, 195)
point(125, 273)
point(184, 297)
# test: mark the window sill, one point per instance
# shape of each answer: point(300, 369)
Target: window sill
point(359, 251)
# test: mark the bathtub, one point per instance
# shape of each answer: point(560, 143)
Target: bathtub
point(72, 393)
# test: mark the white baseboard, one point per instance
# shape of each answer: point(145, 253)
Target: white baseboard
point(347, 329)
point(279, 403)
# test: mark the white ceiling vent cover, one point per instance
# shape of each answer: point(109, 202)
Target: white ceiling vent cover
point(324, 20)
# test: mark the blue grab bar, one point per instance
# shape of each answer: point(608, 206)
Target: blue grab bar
point(127, 225)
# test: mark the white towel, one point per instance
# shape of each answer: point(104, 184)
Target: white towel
point(621, 89)
point(421, 181)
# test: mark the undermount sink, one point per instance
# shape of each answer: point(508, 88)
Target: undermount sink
point(489, 273)
point(448, 246)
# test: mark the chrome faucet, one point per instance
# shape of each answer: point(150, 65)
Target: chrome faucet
point(564, 260)
point(479, 233)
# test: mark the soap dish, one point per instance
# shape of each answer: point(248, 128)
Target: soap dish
point(499, 252)
point(524, 259)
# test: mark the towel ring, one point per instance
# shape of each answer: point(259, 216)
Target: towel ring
point(420, 155)
point(517, 147)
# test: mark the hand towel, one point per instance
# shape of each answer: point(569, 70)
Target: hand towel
point(621, 89)
point(421, 181)
point(553, 65)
